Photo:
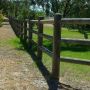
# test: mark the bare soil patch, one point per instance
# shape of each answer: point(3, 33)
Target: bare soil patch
point(17, 70)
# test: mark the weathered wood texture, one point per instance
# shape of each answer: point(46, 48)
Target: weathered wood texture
point(40, 39)
point(56, 46)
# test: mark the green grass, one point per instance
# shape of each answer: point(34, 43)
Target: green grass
point(13, 42)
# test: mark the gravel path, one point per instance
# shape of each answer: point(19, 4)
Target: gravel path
point(17, 70)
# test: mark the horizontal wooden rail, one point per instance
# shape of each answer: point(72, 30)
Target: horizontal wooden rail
point(66, 21)
point(47, 51)
point(66, 40)
point(43, 35)
point(76, 21)
point(79, 41)
point(75, 60)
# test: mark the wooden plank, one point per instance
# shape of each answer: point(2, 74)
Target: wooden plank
point(76, 21)
point(40, 39)
point(30, 34)
point(75, 60)
point(56, 47)
point(25, 31)
point(67, 21)
point(79, 41)
point(47, 51)
point(21, 30)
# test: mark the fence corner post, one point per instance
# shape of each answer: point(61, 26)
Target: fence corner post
point(40, 39)
point(56, 46)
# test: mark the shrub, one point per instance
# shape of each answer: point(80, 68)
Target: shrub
point(1, 19)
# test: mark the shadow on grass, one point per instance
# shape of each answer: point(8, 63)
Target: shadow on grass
point(76, 48)
point(68, 47)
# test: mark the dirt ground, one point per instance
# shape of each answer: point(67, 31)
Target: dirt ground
point(17, 71)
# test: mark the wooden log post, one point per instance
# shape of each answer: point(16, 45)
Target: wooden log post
point(25, 31)
point(30, 34)
point(56, 47)
point(21, 30)
point(14, 25)
point(16, 30)
point(40, 39)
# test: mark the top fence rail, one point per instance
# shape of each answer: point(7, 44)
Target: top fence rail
point(66, 21)
point(81, 21)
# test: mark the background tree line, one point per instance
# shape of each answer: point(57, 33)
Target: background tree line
point(68, 8)
point(31, 8)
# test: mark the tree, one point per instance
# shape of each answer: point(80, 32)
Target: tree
point(4, 5)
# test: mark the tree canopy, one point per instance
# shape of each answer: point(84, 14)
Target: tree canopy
point(68, 8)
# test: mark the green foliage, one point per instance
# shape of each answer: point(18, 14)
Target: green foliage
point(23, 13)
point(1, 19)
point(39, 13)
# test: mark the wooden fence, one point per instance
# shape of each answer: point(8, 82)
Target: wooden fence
point(24, 30)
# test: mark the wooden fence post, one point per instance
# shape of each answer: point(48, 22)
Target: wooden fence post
point(21, 30)
point(16, 30)
point(25, 31)
point(40, 39)
point(30, 34)
point(56, 46)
